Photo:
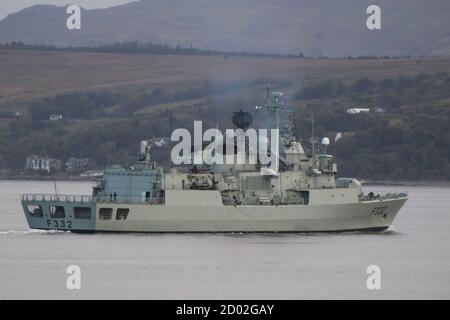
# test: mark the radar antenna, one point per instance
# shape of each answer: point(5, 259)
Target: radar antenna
point(313, 143)
point(268, 89)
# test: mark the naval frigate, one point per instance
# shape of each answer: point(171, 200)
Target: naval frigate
point(304, 194)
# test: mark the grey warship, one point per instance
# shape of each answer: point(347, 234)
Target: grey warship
point(303, 195)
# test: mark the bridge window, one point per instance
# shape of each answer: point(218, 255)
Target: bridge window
point(34, 211)
point(57, 212)
point(82, 212)
point(105, 213)
point(122, 214)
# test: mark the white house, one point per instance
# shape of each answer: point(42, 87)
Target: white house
point(358, 110)
point(38, 163)
point(55, 117)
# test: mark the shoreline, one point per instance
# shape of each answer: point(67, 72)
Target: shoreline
point(57, 178)
point(418, 183)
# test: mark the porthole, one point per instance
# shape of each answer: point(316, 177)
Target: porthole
point(57, 212)
point(122, 213)
point(105, 213)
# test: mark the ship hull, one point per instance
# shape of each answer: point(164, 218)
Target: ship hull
point(204, 217)
point(345, 217)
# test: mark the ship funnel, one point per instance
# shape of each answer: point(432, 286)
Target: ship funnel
point(144, 154)
point(242, 120)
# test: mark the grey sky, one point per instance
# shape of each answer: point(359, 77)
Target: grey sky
point(11, 6)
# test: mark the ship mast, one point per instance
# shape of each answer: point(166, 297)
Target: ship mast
point(313, 141)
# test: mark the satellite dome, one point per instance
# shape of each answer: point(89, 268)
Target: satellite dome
point(325, 141)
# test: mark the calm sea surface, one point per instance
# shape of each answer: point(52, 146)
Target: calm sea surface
point(414, 258)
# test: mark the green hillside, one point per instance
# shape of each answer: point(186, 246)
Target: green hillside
point(110, 102)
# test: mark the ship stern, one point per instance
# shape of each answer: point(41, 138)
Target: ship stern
point(59, 212)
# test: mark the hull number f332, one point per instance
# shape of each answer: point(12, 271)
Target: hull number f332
point(60, 224)
point(379, 211)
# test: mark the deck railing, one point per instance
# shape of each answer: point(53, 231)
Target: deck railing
point(386, 196)
point(58, 198)
point(129, 200)
point(90, 199)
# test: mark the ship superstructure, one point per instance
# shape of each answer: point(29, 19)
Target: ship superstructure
point(302, 194)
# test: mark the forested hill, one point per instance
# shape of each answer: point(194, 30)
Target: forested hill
point(406, 136)
point(112, 101)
